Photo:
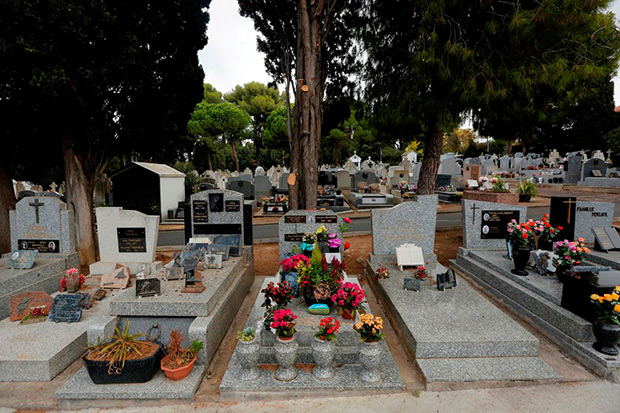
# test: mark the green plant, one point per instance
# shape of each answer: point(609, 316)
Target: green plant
point(498, 185)
point(246, 335)
point(196, 346)
point(369, 327)
point(118, 348)
point(527, 188)
point(177, 354)
point(328, 327)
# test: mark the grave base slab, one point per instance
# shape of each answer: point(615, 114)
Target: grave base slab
point(100, 267)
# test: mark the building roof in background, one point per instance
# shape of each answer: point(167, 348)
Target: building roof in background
point(161, 169)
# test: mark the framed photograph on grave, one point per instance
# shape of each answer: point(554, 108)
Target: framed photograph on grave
point(216, 202)
point(148, 287)
point(213, 261)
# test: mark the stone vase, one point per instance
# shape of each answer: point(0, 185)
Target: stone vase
point(247, 354)
point(73, 283)
point(370, 359)
point(323, 352)
point(286, 355)
point(607, 336)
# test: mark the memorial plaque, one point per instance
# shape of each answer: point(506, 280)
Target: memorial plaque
point(21, 259)
point(233, 205)
point(223, 250)
point(216, 202)
point(22, 303)
point(446, 280)
point(131, 239)
point(148, 287)
point(199, 211)
point(42, 245)
point(411, 284)
point(602, 240)
point(495, 223)
point(173, 273)
point(99, 294)
point(295, 219)
point(293, 237)
point(66, 308)
point(409, 255)
point(213, 261)
point(326, 219)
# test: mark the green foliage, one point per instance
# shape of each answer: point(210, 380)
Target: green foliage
point(196, 346)
point(211, 94)
point(246, 335)
point(192, 179)
point(612, 140)
point(120, 344)
point(276, 146)
point(527, 188)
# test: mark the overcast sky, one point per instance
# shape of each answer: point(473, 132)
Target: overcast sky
point(231, 59)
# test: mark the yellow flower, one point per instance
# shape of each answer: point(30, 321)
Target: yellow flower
point(617, 288)
point(617, 308)
point(614, 296)
point(594, 297)
point(374, 331)
point(607, 297)
point(600, 299)
point(321, 229)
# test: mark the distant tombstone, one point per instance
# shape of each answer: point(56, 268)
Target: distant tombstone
point(485, 224)
point(262, 186)
point(562, 213)
point(66, 308)
point(367, 177)
point(22, 259)
point(504, 163)
point(295, 224)
point(443, 181)
point(449, 167)
point(343, 180)
point(260, 171)
point(589, 215)
point(471, 172)
point(409, 255)
point(245, 187)
point(573, 169)
point(408, 222)
point(44, 224)
point(592, 165)
point(21, 304)
point(218, 215)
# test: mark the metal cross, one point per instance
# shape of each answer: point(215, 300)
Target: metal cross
point(569, 202)
point(36, 204)
point(474, 208)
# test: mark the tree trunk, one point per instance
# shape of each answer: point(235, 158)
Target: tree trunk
point(209, 161)
point(430, 163)
point(7, 202)
point(295, 198)
point(80, 184)
point(233, 147)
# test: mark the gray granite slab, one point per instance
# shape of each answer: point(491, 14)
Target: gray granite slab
point(600, 182)
point(406, 223)
point(486, 369)
point(81, 387)
point(290, 229)
point(450, 324)
point(173, 303)
point(611, 258)
point(473, 221)
point(592, 215)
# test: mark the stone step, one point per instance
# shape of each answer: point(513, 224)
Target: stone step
point(81, 387)
point(486, 369)
point(540, 306)
point(458, 322)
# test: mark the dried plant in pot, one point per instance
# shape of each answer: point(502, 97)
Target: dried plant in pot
point(179, 362)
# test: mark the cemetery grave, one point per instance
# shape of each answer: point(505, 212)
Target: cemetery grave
point(365, 191)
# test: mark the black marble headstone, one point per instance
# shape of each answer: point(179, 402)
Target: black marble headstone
point(562, 213)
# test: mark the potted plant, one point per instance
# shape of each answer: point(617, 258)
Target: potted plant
point(179, 362)
point(348, 299)
point(290, 268)
point(526, 191)
point(319, 280)
point(307, 244)
point(285, 346)
point(275, 297)
point(323, 348)
point(569, 254)
point(248, 351)
point(498, 185)
point(549, 234)
point(122, 359)
point(520, 235)
point(369, 328)
point(72, 281)
point(334, 243)
point(607, 327)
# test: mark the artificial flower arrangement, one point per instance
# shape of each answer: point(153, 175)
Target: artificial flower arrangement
point(520, 234)
point(333, 242)
point(284, 322)
point(609, 305)
point(570, 253)
point(345, 225)
point(321, 234)
point(277, 295)
point(420, 273)
point(382, 273)
point(498, 184)
point(349, 299)
point(72, 279)
point(319, 279)
point(369, 328)
point(328, 327)
point(292, 263)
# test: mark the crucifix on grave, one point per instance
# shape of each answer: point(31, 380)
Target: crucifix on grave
point(474, 208)
point(569, 202)
point(36, 204)
point(53, 186)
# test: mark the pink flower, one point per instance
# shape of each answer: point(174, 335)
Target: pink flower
point(347, 220)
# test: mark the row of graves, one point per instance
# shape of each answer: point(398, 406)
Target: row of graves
point(559, 273)
point(175, 315)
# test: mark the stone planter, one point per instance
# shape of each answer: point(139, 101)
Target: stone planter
point(247, 354)
point(489, 196)
point(607, 336)
point(286, 354)
point(323, 353)
point(370, 359)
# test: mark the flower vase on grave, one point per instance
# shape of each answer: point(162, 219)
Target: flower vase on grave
point(348, 314)
point(545, 244)
point(323, 353)
point(73, 282)
point(607, 336)
point(520, 257)
point(247, 354)
point(563, 272)
point(370, 359)
point(286, 355)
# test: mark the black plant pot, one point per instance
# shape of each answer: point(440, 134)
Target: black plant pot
point(545, 244)
point(334, 250)
point(311, 300)
point(520, 257)
point(135, 371)
point(525, 198)
point(607, 336)
point(562, 273)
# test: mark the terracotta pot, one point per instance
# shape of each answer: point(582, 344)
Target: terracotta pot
point(348, 314)
point(178, 373)
point(285, 338)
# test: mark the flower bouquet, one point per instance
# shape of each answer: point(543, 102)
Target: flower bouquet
point(333, 242)
point(520, 236)
point(349, 299)
point(369, 328)
point(319, 280)
point(72, 281)
point(284, 323)
point(568, 254)
point(382, 273)
point(606, 328)
point(328, 327)
point(277, 295)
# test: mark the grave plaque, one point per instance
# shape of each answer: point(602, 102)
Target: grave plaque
point(193, 282)
point(606, 239)
point(213, 261)
point(293, 237)
point(21, 259)
point(117, 278)
point(295, 219)
point(131, 239)
point(41, 245)
point(22, 303)
point(200, 213)
point(411, 284)
point(148, 287)
point(494, 224)
point(590, 215)
point(173, 273)
point(446, 280)
point(233, 206)
point(216, 202)
point(562, 213)
point(326, 219)
point(66, 308)
point(223, 250)
point(409, 255)
point(295, 224)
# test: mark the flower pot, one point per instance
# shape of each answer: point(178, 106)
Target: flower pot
point(562, 272)
point(247, 354)
point(525, 198)
point(309, 299)
point(520, 257)
point(370, 359)
point(135, 371)
point(286, 355)
point(73, 283)
point(180, 372)
point(545, 244)
point(607, 336)
point(348, 314)
point(323, 352)
point(334, 250)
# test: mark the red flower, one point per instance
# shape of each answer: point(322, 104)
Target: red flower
point(560, 228)
point(525, 236)
point(347, 220)
point(347, 245)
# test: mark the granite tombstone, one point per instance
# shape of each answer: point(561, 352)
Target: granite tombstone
point(590, 215)
point(295, 224)
point(485, 223)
